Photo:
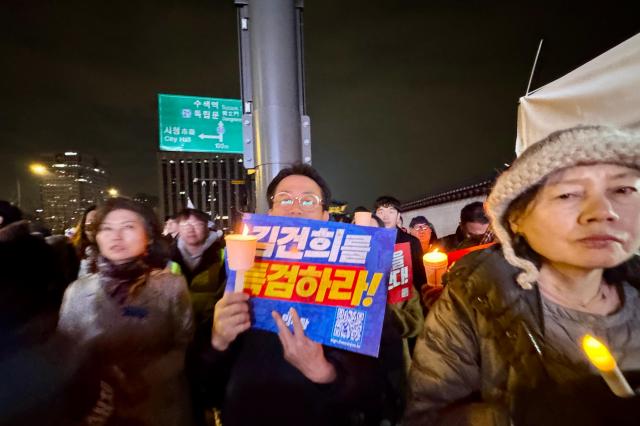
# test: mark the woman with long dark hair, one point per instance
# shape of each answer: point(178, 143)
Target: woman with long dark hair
point(136, 315)
point(84, 241)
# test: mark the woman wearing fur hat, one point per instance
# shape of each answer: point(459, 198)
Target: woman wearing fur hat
point(502, 345)
point(136, 315)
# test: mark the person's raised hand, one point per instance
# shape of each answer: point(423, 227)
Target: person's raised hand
point(230, 318)
point(302, 352)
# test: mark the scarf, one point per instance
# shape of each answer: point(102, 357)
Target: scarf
point(119, 281)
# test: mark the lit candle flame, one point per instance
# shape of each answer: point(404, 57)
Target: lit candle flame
point(598, 353)
point(435, 256)
point(601, 358)
point(245, 230)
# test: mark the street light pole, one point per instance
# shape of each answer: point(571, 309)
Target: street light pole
point(276, 131)
point(19, 192)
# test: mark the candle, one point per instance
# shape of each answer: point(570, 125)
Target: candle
point(435, 265)
point(601, 358)
point(241, 252)
point(362, 218)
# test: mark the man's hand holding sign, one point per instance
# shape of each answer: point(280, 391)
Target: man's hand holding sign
point(302, 352)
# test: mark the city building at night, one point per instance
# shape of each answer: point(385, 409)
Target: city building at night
point(215, 183)
point(73, 182)
point(148, 200)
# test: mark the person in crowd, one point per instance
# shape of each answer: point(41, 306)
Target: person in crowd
point(424, 231)
point(404, 319)
point(502, 345)
point(375, 221)
point(136, 315)
point(286, 378)
point(43, 381)
point(199, 253)
point(388, 209)
point(473, 226)
point(9, 213)
point(171, 227)
point(64, 250)
point(84, 242)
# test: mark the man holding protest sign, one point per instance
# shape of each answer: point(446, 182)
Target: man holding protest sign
point(404, 309)
point(388, 209)
point(288, 378)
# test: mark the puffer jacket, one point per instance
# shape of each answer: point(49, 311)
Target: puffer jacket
point(141, 344)
point(482, 345)
point(206, 281)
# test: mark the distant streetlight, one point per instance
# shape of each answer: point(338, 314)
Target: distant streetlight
point(112, 192)
point(38, 169)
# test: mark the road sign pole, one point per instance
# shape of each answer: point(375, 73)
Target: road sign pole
point(273, 98)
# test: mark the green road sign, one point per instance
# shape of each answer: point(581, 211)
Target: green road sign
point(199, 124)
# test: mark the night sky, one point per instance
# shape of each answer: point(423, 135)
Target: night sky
point(407, 98)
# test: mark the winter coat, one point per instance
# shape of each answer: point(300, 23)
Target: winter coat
point(402, 321)
point(44, 380)
point(484, 344)
point(253, 384)
point(408, 319)
point(457, 241)
point(141, 343)
point(205, 280)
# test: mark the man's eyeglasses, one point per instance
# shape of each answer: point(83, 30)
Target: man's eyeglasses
point(195, 225)
point(421, 227)
point(305, 201)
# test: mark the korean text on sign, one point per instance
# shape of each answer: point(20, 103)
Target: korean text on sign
point(335, 275)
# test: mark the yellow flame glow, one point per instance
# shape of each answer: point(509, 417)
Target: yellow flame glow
point(245, 231)
point(435, 256)
point(598, 353)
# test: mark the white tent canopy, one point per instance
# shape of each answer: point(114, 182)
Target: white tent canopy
point(603, 91)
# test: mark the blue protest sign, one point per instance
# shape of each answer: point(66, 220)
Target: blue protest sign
point(334, 274)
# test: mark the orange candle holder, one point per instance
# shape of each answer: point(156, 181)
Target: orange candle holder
point(435, 265)
point(241, 254)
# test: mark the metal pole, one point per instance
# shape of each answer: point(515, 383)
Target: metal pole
point(19, 190)
point(533, 69)
point(273, 40)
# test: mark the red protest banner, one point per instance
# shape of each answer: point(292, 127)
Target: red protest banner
point(401, 276)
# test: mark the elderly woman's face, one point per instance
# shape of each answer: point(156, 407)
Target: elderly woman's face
point(585, 216)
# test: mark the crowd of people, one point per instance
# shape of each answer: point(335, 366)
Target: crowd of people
point(125, 324)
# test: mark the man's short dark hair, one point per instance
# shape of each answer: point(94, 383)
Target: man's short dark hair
point(388, 201)
point(9, 213)
point(301, 170)
point(473, 212)
point(361, 209)
point(419, 220)
point(187, 213)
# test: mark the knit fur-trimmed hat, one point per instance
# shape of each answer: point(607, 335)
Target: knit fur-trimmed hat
point(565, 148)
